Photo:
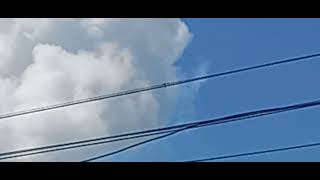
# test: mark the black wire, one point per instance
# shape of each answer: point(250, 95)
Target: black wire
point(185, 126)
point(132, 146)
point(201, 124)
point(256, 152)
point(247, 69)
point(153, 87)
point(174, 132)
point(302, 105)
point(69, 145)
point(75, 146)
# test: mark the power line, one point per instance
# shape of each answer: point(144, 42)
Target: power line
point(154, 87)
point(201, 124)
point(257, 152)
point(76, 146)
point(132, 146)
point(170, 129)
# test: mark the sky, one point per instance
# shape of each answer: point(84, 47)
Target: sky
point(49, 60)
point(226, 44)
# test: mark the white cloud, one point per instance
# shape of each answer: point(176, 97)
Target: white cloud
point(44, 61)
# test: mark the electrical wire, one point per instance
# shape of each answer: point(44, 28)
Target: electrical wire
point(201, 124)
point(132, 146)
point(73, 147)
point(154, 87)
point(156, 131)
point(257, 152)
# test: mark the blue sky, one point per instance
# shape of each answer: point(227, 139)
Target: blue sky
point(226, 44)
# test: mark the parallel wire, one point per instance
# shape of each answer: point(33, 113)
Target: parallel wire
point(211, 122)
point(25, 153)
point(170, 129)
point(132, 146)
point(154, 87)
point(257, 152)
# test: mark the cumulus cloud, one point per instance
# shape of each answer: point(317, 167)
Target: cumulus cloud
point(45, 61)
